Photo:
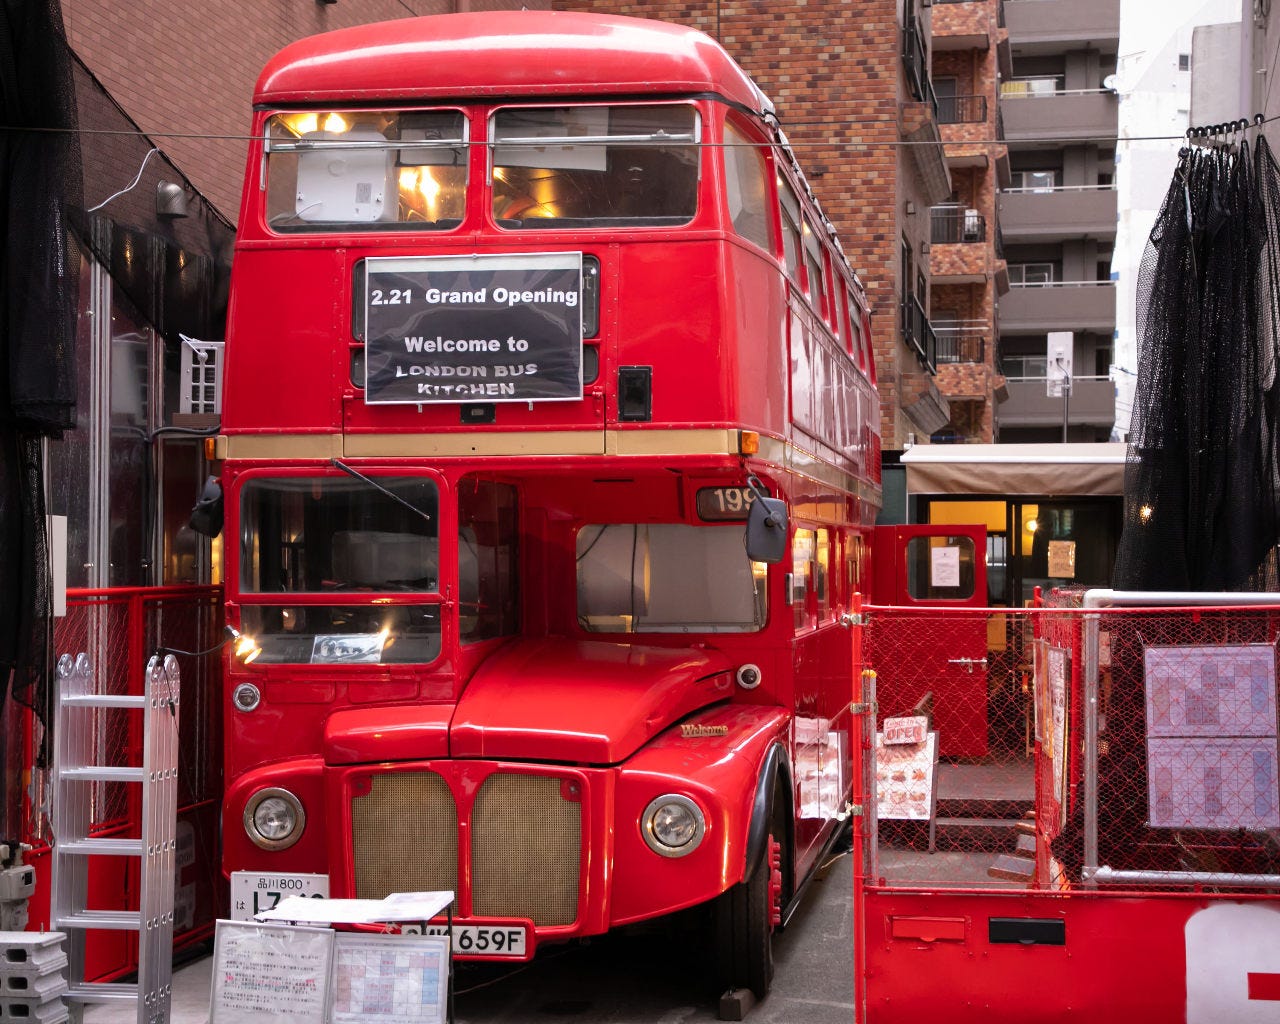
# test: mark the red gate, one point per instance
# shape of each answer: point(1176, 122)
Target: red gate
point(1112, 857)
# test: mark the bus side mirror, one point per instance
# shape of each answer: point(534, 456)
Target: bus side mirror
point(767, 530)
point(206, 516)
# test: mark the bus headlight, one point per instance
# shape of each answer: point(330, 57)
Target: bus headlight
point(673, 825)
point(274, 819)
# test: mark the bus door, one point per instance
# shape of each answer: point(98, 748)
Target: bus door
point(937, 567)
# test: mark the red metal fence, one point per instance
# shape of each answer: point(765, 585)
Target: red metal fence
point(1093, 814)
point(117, 631)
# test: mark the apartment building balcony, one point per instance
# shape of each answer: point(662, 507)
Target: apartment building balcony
point(957, 345)
point(961, 251)
point(1050, 214)
point(918, 120)
point(1092, 402)
point(918, 334)
point(1045, 26)
point(1034, 112)
point(1059, 306)
point(961, 25)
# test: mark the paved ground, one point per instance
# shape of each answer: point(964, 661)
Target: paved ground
point(657, 976)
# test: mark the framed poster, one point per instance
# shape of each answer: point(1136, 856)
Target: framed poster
point(397, 979)
point(1212, 756)
point(268, 973)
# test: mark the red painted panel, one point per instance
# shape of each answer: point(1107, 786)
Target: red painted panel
point(456, 54)
point(363, 735)
point(589, 702)
point(1164, 957)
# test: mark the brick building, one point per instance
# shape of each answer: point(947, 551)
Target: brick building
point(852, 86)
point(186, 75)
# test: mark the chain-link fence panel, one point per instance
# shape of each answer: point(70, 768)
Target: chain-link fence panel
point(1063, 747)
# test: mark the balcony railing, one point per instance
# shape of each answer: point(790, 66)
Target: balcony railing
point(915, 58)
point(919, 334)
point(951, 224)
point(962, 109)
point(961, 346)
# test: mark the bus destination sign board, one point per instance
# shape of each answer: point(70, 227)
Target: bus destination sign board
point(449, 329)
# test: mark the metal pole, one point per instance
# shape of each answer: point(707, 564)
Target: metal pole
point(1090, 709)
point(1066, 405)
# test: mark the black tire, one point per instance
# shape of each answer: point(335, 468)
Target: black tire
point(744, 932)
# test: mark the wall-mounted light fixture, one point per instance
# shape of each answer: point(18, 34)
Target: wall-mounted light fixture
point(171, 199)
point(911, 207)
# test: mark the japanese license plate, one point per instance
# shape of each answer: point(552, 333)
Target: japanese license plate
point(496, 940)
point(253, 892)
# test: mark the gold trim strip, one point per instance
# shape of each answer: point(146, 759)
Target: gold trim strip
point(671, 442)
point(278, 446)
point(717, 442)
point(524, 442)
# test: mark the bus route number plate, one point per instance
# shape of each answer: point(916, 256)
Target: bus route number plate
point(496, 940)
point(716, 504)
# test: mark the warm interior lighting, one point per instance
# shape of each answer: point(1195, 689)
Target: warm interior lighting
point(336, 123)
point(1144, 513)
point(1031, 525)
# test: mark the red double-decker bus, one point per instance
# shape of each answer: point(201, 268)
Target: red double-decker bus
point(550, 455)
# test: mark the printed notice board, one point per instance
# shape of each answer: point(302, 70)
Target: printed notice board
point(270, 974)
point(380, 979)
point(1212, 756)
point(441, 329)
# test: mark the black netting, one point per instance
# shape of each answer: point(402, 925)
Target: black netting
point(40, 181)
point(77, 179)
point(1200, 486)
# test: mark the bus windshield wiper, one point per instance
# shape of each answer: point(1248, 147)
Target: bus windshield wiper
point(377, 486)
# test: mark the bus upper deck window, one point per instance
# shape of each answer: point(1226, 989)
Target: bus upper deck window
point(790, 229)
point(594, 166)
point(366, 170)
point(746, 178)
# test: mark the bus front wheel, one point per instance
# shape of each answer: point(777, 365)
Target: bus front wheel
point(744, 922)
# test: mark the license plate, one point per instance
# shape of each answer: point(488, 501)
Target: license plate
point(253, 892)
point(496, 940)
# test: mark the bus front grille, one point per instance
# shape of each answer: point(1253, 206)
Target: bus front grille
point(404, 834)
point(526, 842)
point(526, 849)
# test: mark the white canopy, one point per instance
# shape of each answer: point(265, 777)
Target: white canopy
point(1043, 470)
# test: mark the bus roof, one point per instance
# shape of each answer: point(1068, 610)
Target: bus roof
point(501, 54)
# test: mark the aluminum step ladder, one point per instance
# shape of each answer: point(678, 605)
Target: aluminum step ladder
point(78, 756)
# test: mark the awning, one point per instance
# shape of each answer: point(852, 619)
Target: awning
point(1042, 470)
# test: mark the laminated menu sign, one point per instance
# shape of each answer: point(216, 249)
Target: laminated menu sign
point(905, 777)
point(270, 973)
point(1212, 756)
point(390, 979)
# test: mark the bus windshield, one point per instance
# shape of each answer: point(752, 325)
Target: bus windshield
point(668, 578)
point(366, 170)
point(594, 166)
point(324, 535)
